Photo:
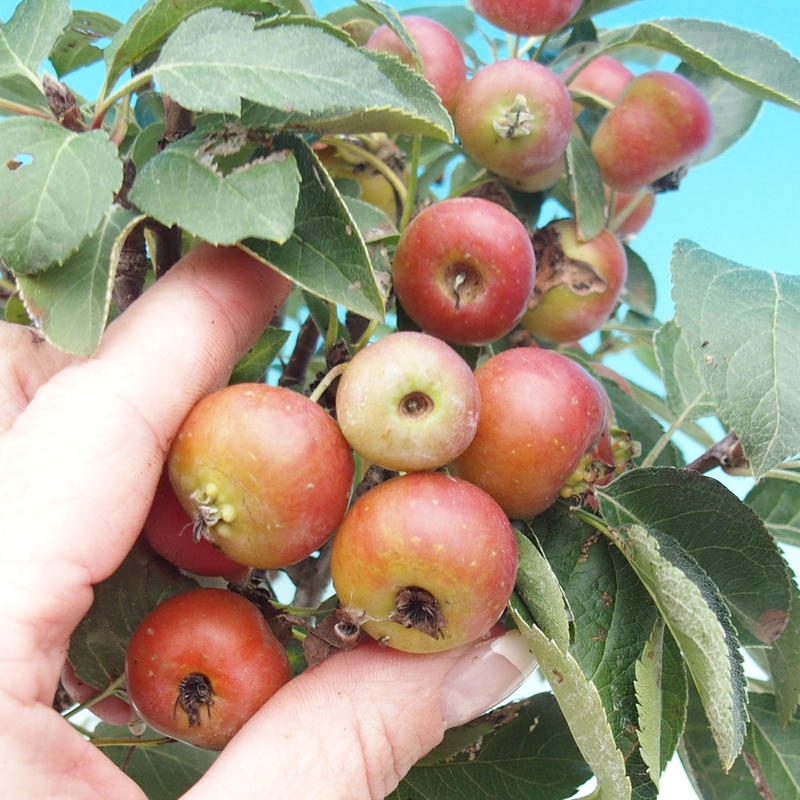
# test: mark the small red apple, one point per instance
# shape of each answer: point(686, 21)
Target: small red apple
point(263, 472)
point(426, 561)
point(604, 77)
point(464, 269)
point(661, 124)
point(514, 117)
point(527, 17)
point(630, 211)
point(408, 402)
point(578, 283)
point(439, 52)
point(541, 412)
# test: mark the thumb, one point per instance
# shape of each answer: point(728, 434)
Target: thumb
point(351, 727)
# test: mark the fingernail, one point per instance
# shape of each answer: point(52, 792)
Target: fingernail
point(484, 677)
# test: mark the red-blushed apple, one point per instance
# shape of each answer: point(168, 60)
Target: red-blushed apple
point(661, 124)
point(408, 402)
point(168, 530)
point(527, 17)
point(578, 283)
point(541, 181)
point(604, 77)
point(425, 561)
point(201, 663)
point(541, 412)
point(440, 54)
point(463, 270)
point(514, 117)
point(630, 211)
point(263, 472)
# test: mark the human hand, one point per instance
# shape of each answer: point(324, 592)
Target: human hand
point(82, 444)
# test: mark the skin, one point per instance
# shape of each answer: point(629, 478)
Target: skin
point(351, 727)
point(408, 402)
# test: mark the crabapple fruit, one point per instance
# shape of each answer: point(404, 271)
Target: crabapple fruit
point(463, 270)
point(514, 117)
point(201, 663)
point(425, 562)
point(541, 413)
point(578, 283)
point(263, 472)
point(408, 402)
point(661, 124)
point(527, 17)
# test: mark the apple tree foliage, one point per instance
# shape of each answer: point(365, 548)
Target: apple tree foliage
point(668, 620)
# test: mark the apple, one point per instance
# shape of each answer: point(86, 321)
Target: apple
point(263, 472)
point(541, 181)
point(408, 402)
point(425, 561)
point(514, 117)
point(541, 413)
point(604, 76)
point(578, 283)
point(463, 270)
point(661, 125)
point(527, 17)
point(440, 54)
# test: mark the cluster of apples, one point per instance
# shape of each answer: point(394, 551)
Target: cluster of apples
point(262, 476)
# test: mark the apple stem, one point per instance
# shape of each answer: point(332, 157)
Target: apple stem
point(332, 374)
point(515, 121)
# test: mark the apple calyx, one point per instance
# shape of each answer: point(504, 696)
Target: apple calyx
point(466, 282)
point(415, 405)
point(418, 608)
point(194, 692)
point(555, 268)
point(515, 121)
point(209, 513)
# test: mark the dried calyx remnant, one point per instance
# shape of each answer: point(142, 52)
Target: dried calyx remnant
point(417, 608)
point(194, 692)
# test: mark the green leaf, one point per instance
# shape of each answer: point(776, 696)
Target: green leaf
point(583, 709)
point(58, 195)
point(717, 530)
point(699, 620)
point(32, 31)
point(75, 47)
point(97, 646)
point(686, 394)
point(782, 660)
point(183, 185)
point(325, 254)
point(72, 301)
point(662, 698)
point(777, 501)
point(252, 368)
point(148, 28)
point(772, 750)
point(25, 42)
point(749, 60)
point(733, 110)
point(700, 760)
point(523, 749)
point(585, 188)
point(640, 287)
point(750, 370)
point(613, 620)
point(539, 593)
point(307, 74)
point(165, 771)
